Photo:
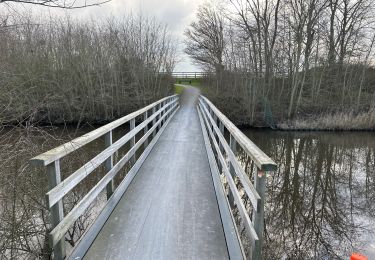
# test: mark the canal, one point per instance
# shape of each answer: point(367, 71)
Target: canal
point(320, 202)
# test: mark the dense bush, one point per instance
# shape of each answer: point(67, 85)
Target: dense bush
point(61, 70)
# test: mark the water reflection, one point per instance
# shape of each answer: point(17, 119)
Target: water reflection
point(24, 217)
point(320, 202)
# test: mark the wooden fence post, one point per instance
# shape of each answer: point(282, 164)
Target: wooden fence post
point(258, 216)
point(57, 210)
point(109, 163)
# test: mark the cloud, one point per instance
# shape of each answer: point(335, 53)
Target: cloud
point(177, 14)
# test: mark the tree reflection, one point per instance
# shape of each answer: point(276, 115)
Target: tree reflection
point(320, 201)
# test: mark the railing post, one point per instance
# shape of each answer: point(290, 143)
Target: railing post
point(57, 211)
point(163, 112)
point(258, 216)
point(132, 140)
point(221, 127)
point(167, 108)
point(233, 147)
point(109, 163)
point(154, 121)
point(145, 116)
point(159, 116)
point(214, 117)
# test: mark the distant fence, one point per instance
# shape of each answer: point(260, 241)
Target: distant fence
point(189, 75)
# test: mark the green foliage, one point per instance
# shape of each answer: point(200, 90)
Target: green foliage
point(178, 89)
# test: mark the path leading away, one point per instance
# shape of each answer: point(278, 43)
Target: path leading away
point(170, 210)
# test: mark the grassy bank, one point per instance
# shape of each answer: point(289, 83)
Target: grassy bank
point(311, 117)
point(339, 121)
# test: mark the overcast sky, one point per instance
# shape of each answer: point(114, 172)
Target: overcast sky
point(177, 14)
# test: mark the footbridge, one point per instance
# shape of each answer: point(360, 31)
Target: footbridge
point(185, 195)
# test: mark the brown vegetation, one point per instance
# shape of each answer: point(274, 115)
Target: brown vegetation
point(65, 71)
point(293, 60)
point(63, 4)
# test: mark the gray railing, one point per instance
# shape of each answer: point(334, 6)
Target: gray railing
point(190, 75)
point(153, 120)
point(223, 154)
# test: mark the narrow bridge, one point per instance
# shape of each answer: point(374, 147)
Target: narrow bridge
point(186, 196)
point(188, 77)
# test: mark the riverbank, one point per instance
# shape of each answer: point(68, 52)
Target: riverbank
point(336, 122)
point(311, 118)
point(239, 115)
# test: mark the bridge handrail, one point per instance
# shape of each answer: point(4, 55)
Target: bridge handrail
point(261, 160)
point(57, 153)
point(152, 125)
point(214, 122)
point(190, 75)
point(248, 187)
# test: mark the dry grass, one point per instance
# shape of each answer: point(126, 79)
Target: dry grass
point(339, 121)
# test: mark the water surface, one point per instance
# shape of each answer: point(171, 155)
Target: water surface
point(321, 201)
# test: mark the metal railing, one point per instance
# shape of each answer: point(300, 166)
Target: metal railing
point(154, 119)
point(214, 123)
point(190, 75)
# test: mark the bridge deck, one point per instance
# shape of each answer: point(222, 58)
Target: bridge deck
point(170, 210)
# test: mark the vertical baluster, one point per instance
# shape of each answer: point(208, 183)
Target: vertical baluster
point(132, 140)
point(159, 116)
point(145, 116)
point(162, 113)
point(214, 117)
point(57, 211)
point(166, 109)
point(233, 147)
point(258, 216)
point(221, 127)
point(154, 121)
point(109, 163)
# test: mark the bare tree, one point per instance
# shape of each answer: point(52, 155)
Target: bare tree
point(72, 4)
point(295, 59)
point(205, 38)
